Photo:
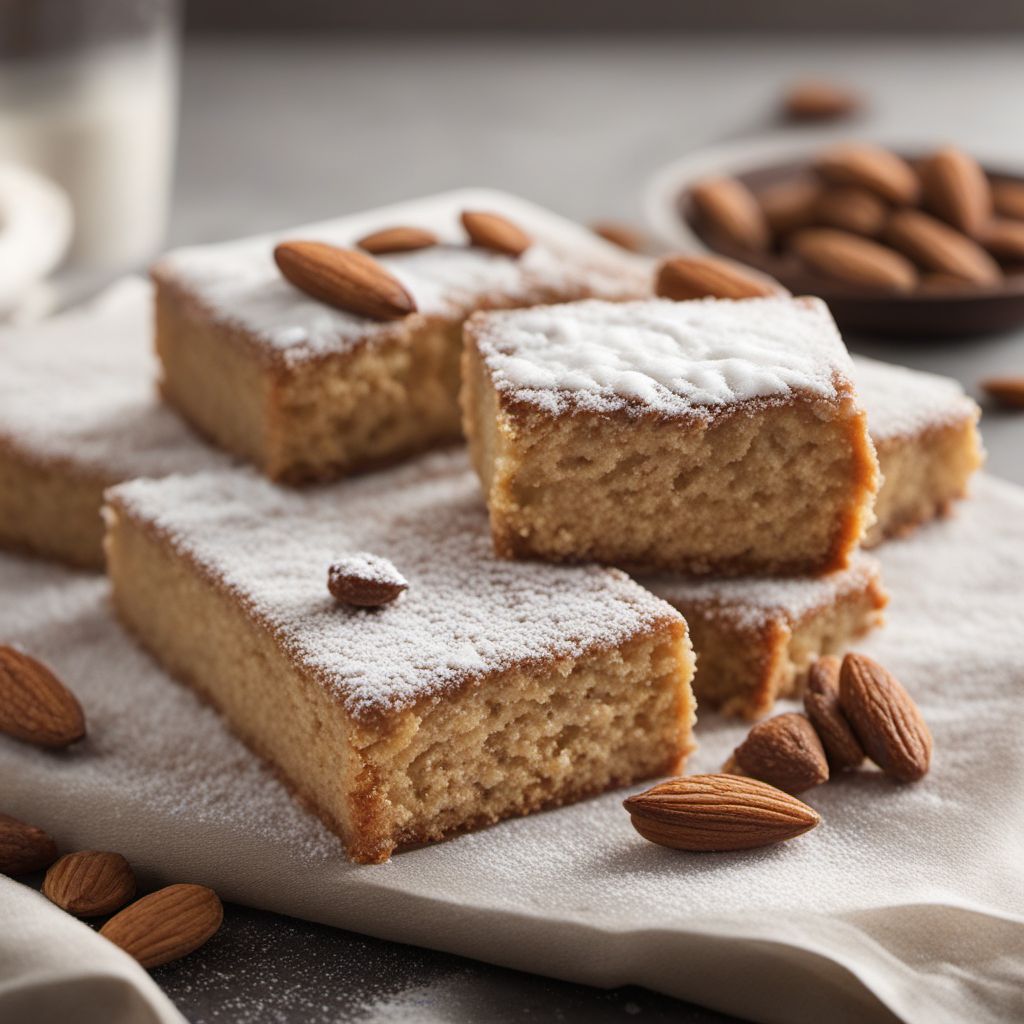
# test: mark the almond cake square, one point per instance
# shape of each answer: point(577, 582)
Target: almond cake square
point(709, 436)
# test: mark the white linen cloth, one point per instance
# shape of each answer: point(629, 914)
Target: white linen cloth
point(906, 903)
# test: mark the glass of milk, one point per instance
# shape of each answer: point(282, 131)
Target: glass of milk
point(88, 97)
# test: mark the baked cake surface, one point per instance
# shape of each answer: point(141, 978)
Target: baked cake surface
point(755, 638)
point(79, 411)
point(487, 689)
point(309, 391)
point(925, 430)
point(706, 436)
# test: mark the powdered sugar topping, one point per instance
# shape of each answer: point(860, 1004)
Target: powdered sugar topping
point(239, 284)
point(672, 358)
point(465, 613)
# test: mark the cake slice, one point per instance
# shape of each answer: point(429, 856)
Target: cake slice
point(309, 391)
point(925, 431)
point(710, 436)
point(486, 689)
point(755, 638)
point(79, 411)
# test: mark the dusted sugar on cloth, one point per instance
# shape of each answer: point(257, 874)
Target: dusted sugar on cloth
point(466, 613)
point(901, 402)
point(671, 358)
point(238, 283)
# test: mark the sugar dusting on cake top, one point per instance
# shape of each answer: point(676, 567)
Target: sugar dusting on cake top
point(80, 390)
point(465, 614)
point(671, 358)
point(901, 402)
point(752, 602)
point(238, 283)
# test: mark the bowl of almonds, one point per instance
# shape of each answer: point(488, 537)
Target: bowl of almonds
point(922, 240)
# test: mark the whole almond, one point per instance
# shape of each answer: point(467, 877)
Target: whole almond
point(1008, 391)
point(24, 848)
point(622, 235)
point(166, 925)
point(90, 883)
point(785, 752)
point(821, 702)
point(397, 239)
point(956, 189)
point(343, 278)
point(884, 718)
point(697, 277)
point(708, 813)
point(1004, 238)
point(873, 168)
point(495, 232)
point(819, 100)
point(789, 205)
point(853, 260)
point(35, 705)
point(851, 209)
point(730, 212)
point(365, 580)
point(1008, 199)
point(937, 246)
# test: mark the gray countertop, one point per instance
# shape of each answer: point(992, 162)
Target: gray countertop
point(281, 132)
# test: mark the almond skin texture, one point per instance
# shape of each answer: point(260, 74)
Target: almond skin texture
point(621, 235)
point(90, 883)
point(789, 205)
point(494, 232)
point(956, 189)
point(1004, 238)
point(785, 752)
point(851, 209)
point(821, 702)
point(853, 260)
point(343, 278)
point(873, 168)
point(398, 239)
point(166, 925)
point(818, 100)
point(1008, 391)
point(1008, 199)
point(35, 706)
point(937, 246)
point(366, 581)
point(698, 277)
point(708, 813)
point(884, 718)
point(24, 848)
point(731, 213)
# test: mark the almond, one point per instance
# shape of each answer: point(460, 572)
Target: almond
point(730, 212)
point(956, 189)
point(1004, 238)
point(818, 100)
point(365, 580)
point(621, 235)
point(345, 279)
point(851, 209)
point(492, 231)
point(785, 752)
point(706, 813)
point(1008, 199)
point(789, 205)
point(853, 260)
point(697, 277)
point(1008, 391)
point(884, 718)
point(821, 702)
point(937, 246)
point(35, 705)
point(166, 925)
point(873, 168)
point(398, 239)
point(90, 883)
point(24, 848)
